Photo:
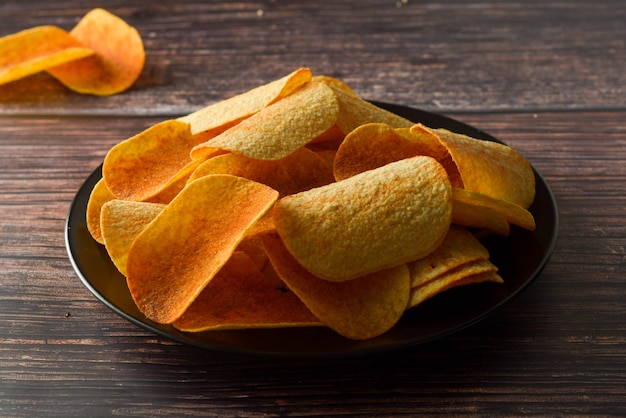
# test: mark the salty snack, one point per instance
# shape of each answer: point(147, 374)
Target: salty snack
point(101, 55)
point(300, 204)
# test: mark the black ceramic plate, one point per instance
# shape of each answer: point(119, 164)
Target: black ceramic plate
point(520, 257)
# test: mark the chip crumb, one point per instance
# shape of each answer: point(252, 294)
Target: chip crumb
point(68, 314)
point(259, 12)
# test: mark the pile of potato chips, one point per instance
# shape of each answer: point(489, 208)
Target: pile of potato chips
point(101, 55)
point(298, 203)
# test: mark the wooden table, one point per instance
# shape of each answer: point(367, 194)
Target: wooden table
point(548, 78)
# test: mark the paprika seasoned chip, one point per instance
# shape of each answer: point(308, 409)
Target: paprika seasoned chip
point(421, 293)
point(241, 297)
point(216, 118)
point(98, 197)
point(358, 309)
point(185, 246)
point(118, 60)
point(102, 55)
point(279, 129)
point(121, 221)
point(372, 221)
point(302, 170)
point(489, 168)
point(459, 247)
point(141, 167)
point(34, 50)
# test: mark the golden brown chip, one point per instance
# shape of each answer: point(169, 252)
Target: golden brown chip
point(513, 213)
point(370, 146)
point(183, 248)
point(421, 293)
point(98, 197)
point(490, 168)
point(302, 170)
point(216, 118)
point(279, 129)
point(143, 166)
point(458, 248)
point(479, 217)
point(121, 221)
point(372, 221)
point(118, 60)
point(358, 309)
point(354, 112)
point(240, 297)
point(34, 50)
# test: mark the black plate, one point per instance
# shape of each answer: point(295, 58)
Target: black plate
point(520, 257)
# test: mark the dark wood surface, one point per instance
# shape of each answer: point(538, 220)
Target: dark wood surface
point(548, 78)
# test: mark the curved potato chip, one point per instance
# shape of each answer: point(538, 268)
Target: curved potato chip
point(479, 217)
point(299, 171)
point(490, 168)
point(118, 60)
point(458, 248)
point(370, 146)
point(121, 221)
point(141, 167)
point(279, 129)
point(216, 118)
point(358, 309)
point(98, 197)
point(183, 248)
point(354, 112)
point(374, 220)
point(421, 293)
point(513, 213)
point(34, 50)
point(240, 297)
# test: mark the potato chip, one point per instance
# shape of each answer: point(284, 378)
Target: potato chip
point(458, 248)
point(98, 197)
point(183, 248)
point(471, 215)
point(302, 170)
point(216, 118)
point(358, 309)
point(372, 221)
point(121, 221)
point(489, 168)
point(34, 50)
point(513, 213)
point(455, 279)
point(118, 60)
point(354, 112)
point(142, 166)
point(279, 129)
point(240, 297)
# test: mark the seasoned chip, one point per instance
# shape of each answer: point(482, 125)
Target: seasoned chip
point(302, 170)
point(183, 248)
point(358, 309)
point(118, 60)
point(453, 279)
point(216, 118)
point(121, 221)
point(513, 213)
point(240, 297)
point(34, 50)
point(479, 217)
point(489, 168)
point(374, 220)
point(98, 197)
point(459, 247)
point(279, 129)
point(141, 167)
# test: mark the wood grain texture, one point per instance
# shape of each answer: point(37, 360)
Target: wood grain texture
point(545, 77)
point(462, 55)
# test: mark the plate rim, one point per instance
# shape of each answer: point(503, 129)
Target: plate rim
point(183, 338)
